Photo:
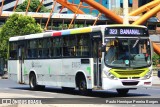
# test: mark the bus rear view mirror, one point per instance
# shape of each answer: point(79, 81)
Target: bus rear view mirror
point(159, 73)
point(103, 48)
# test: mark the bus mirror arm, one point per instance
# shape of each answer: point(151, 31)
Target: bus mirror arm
point(158, 73)
point(103, 48)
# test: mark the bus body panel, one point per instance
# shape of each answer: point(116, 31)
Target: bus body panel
point(13, 70)
point(50, 72)
point(108, 84)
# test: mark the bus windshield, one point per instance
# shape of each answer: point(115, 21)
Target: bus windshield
point(127, 53)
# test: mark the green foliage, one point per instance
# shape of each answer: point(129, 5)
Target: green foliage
point(155, 59)
point(16, 25)
point(32, 8)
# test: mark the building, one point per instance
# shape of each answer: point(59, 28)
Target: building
point(114, 5)
point(9, 4)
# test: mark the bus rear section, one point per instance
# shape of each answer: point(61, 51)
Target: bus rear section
point(63, 61)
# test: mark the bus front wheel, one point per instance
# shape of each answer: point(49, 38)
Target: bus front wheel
point(122, 91)
point(83, 87)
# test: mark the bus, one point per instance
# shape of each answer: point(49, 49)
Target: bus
point(99, 57)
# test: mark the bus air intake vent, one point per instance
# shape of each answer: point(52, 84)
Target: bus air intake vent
point(130, 83)
point(130, 73)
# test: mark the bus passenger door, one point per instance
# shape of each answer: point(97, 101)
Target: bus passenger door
point(21, 63)
point(97, 43)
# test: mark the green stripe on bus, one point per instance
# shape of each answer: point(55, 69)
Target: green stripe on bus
point(25, 71)
point(89, 70)
point(82, 30)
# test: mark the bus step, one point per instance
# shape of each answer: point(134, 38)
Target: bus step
point(97, 88)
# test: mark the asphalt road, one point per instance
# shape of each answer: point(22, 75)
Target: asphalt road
point(10, 89)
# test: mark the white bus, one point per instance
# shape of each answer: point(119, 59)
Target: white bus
point(90, 58)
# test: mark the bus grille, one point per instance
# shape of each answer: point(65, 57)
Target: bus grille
point(131, 72)
point(130, 83)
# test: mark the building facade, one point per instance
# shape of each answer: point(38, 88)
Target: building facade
point(9, 4)
point(114, 5)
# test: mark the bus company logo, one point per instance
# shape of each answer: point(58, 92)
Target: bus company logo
point(36, 64)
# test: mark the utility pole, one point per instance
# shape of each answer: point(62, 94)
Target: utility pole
point(125, 12)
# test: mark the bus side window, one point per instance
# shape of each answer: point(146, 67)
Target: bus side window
point(40, 45)
point(65, 46)
point(83, 45)
point(32, 49)
point(46, 45)
point(56, 48)
point(13, 50)
point(69, 46)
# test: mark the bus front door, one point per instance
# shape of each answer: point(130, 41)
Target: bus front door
point(97, 43)
point(21, 64)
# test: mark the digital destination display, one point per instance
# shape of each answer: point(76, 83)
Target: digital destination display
point(123, 31)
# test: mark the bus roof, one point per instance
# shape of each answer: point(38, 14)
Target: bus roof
point(69, 32)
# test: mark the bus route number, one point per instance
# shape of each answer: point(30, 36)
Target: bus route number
point(113, 31)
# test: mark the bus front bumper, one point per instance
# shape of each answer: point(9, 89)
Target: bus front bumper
point(125, 83)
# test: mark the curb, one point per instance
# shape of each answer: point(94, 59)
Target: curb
point(155, 84)
point(3, 77)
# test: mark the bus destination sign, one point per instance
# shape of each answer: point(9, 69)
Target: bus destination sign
point(125, 31)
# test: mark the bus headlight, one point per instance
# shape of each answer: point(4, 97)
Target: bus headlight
point(147, 76)
point(110, 75)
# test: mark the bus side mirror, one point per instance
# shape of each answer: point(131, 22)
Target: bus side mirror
point(159, 73)
point(103, 48)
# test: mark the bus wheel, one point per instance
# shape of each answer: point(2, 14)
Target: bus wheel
point(122, 91)
point(83, 86)
point(33, 82)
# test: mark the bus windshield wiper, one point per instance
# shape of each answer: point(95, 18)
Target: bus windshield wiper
point(135, 43)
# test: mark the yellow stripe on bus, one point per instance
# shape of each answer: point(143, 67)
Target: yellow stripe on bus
point(83, 30)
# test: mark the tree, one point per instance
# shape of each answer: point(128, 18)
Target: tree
point(16, 25)
point(32, 8)
point(155, 59)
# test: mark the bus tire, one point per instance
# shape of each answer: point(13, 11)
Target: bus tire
point(33, 82)
point(83, 86)
point(122, 91)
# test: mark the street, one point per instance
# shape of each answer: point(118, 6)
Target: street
point(10, 89)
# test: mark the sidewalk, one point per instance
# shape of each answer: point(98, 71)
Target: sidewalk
point(5, 76)
point(156, 81)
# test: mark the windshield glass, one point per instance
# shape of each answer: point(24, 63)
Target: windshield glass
point(127, 53)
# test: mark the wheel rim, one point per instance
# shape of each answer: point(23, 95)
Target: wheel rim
point(33, 82)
